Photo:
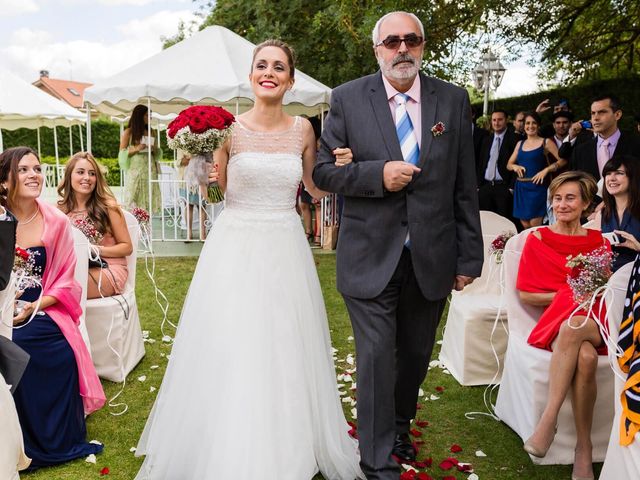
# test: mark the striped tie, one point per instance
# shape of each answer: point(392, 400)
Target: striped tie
point(404, 129)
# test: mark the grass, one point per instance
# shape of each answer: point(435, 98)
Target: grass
point(447, 424)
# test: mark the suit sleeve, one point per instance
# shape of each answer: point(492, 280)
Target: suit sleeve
point(468, 232)
point(360, 178)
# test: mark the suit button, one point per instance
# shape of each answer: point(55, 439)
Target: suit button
point(404, 223)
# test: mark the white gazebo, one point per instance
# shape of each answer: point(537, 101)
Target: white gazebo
point(24, 106)
point(209, 68)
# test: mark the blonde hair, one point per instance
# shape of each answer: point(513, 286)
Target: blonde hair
point(586, 183)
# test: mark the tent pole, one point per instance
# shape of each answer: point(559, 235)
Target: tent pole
point(70, 141)
point(237, 107)
point(81, 139)
point(39, 152)
point(88, 127)
point(55, 148)
point(1, 141)
point(149, 171)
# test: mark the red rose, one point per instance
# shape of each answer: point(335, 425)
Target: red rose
point(22, 253)
point(198, 125)
point(214, 120)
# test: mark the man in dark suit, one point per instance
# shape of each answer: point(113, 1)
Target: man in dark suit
point(410, 227)
point(593, 153)
point(494, 180)
point(479, 136)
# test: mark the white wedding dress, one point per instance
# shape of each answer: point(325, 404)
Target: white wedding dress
point(250, 389)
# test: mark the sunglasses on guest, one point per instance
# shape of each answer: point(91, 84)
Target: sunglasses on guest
point(392, 42)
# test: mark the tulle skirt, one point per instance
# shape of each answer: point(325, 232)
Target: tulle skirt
point(250, 389)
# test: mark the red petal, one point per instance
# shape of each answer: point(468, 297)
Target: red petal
point(455, 448)
point(423, 476)
point(428, 462)
point(439, 389)
point(448, 463)
point(408, 475)
point(465, 468)
point(449, 477)
point(415, 433)
point(104, 471)
point(418, 406)
point(422, 423)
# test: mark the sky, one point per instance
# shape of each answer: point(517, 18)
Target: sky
point(89, 40)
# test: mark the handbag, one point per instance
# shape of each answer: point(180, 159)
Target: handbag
point(124, 161)
point(98, 263)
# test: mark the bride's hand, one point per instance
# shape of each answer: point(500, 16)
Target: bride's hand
point(343, 156)
point(214, 174)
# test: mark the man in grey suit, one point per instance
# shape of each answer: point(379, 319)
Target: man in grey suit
point(410, 228)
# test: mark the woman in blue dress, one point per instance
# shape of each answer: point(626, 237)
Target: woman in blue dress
point(529, 161)
point(621, 212)
point(60, 385)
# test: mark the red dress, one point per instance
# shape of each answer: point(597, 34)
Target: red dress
point(543, 270)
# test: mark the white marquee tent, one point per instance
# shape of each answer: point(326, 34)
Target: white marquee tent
point(24, 106)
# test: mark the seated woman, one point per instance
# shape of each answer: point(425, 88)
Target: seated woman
point(86, 196)
point(621, 211)
point(60, 385)
point(542, 281)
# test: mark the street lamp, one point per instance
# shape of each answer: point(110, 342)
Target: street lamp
point(487, 75)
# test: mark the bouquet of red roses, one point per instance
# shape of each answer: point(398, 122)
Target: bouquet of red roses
point(200, 130)
point(24, 267)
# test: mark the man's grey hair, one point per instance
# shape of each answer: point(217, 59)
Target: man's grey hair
point(375, 35)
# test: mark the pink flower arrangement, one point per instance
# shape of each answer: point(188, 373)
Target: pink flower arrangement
point(141, 215)
point(89, 230)
point(588, 273)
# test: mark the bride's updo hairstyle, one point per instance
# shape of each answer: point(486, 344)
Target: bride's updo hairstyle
point(272, 42)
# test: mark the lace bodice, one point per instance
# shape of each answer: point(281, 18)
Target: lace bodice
point(264, 169)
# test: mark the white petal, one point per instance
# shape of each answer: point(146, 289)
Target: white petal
point(353, 402)
point(142, 378)
point(91, 459)
point(334, 350)
point(162, 354)
point(152, 389)
point(350, 338)
point(408, 467)
point(354, 413)
point(420, 392)
point(480, 453)
point(439, 342)
point(346, 400)
point(446, 372)
point(167, 339)
point(434, 397)
point(145, 333)
point(150, 340)
point(473, 476)
point(348, 378)
point(350, 371)
point(340, 377)
point(153, 367)
point(434, 363)
point(350, 359)
point(132, 449)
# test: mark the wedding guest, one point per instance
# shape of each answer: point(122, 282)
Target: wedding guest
point(529, 162)
point(575, 343)
point(621, 212)
point(195, 191)
point(60, 385)
point(86, 197)
point(134, 162)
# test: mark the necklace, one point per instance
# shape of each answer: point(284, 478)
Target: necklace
point(31, 218)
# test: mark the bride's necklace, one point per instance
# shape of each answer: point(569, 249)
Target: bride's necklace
point(25, 222)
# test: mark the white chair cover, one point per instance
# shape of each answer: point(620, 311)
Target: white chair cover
point(81, 248)
point(467, 344)
point(12, 456)
point(525, 380)
point(7, 297)
point(114, 325)
point(620, 462)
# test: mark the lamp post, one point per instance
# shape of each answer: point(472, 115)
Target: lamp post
point(488, 75)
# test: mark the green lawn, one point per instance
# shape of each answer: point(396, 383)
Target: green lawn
point(447, 424)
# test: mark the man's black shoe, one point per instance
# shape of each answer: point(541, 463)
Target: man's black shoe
point(403, 448)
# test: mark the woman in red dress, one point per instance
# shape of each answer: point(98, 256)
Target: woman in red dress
point(542, 281)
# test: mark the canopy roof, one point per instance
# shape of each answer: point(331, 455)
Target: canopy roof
point(24, 106)
point(211, 67)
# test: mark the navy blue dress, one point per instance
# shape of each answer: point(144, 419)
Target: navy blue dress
point(529, 199)
point(630, 225)
point(48, 398)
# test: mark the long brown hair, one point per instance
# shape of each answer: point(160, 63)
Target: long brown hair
point(101, 201)
point(632, 169)
point(9, 160)
point(137, 126)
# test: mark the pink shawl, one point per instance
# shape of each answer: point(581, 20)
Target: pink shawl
point(58, 281)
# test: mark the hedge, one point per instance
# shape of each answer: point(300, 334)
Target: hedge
point(110, 164)
point(579, 97)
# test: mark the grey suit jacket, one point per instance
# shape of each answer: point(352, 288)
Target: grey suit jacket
point(439, 207)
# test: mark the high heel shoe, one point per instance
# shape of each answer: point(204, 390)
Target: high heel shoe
point(535, 451)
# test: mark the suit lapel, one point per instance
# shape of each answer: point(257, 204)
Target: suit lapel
point(380, 105)
point(428, 107)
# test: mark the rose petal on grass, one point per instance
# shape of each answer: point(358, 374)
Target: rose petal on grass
point(350, 360)
point(104, 471)
point(91, 459)
point(446, 372)
point(415, 433)
point(423, 476)
point(152, 389)
point(439, 342)
point(350, 338)
point(434, 397)
point(448, 463)
point(455, 448)
point(465, 467)
point(354, 413)
point(132, 449)
point(142, 378)
point(153, 367)
point(480, 453)
point(420, 392)
point(473, 476)
point(422, 423)
point(439, 389)
point(167, 339)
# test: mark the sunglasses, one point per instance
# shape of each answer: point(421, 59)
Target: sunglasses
point(392, 42)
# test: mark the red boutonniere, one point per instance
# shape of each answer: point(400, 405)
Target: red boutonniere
point(438, 129)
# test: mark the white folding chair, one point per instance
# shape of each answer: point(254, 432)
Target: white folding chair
point(12, 456)
point(81, 248)
point(113, 323)
point(468, 345)
point(525, 380)
point(620, 462)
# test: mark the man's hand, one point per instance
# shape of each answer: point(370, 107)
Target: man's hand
point(397, 174)
point(213, 173)
point(575, 129)
point(543, 106)
point(462, 281)
point(343, 156)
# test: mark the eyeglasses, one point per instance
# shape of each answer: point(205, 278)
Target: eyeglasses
point(392, 42)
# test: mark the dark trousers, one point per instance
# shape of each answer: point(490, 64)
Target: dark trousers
point(496, 197)
point(394, 335)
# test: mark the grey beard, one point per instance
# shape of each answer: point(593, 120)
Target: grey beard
point(389, 71)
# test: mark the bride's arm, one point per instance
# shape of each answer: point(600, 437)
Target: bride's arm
point(219, 171)
point(309, 160)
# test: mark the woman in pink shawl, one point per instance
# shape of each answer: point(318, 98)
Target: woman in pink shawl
point(60, 385)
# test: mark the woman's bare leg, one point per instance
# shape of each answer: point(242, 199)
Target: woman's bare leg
point(585, 392)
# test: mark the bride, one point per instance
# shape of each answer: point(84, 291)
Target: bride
point(250, 389)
